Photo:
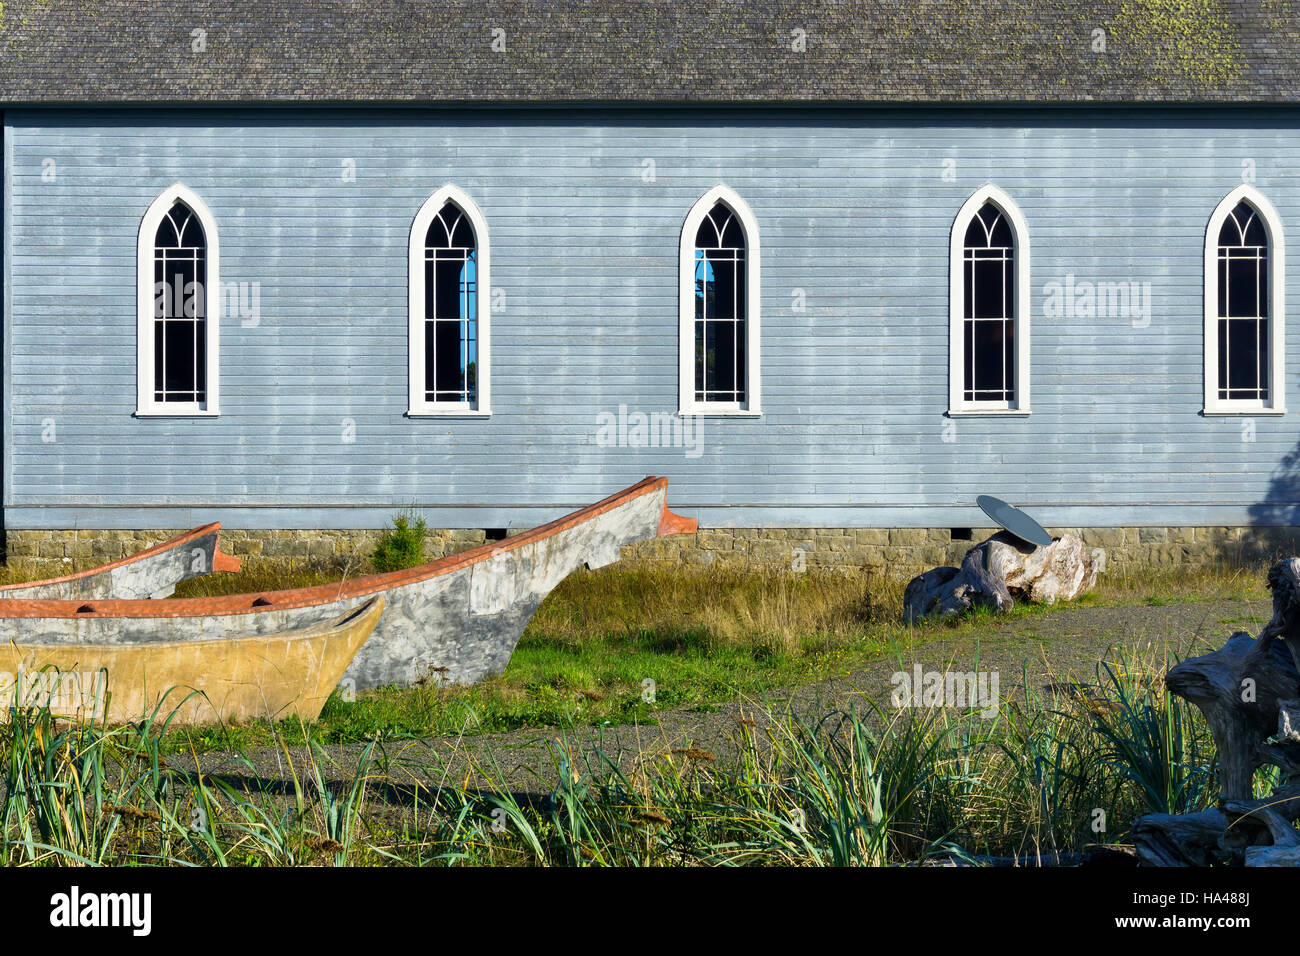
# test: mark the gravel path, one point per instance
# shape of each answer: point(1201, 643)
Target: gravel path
point(1033, 651)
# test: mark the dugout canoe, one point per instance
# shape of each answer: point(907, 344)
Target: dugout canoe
point(153, 573)
point(455, 620)
point(276, 676)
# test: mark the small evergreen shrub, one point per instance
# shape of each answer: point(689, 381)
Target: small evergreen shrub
point(402, 545)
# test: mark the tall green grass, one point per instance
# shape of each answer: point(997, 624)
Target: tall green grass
point(871, 787)
point(1051, 772)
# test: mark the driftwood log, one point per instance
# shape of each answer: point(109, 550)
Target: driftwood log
point(998, 572)
point(1249, 692)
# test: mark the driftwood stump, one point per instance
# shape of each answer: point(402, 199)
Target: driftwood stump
point(1249, 692)
point(998, 572)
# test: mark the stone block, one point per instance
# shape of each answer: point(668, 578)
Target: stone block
point(907, 537)
point(872, 537)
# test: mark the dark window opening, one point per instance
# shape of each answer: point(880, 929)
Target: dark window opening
point(180, 334)
point(1243, 330)
point(721, 308)
point(989, 309)
point(450, 309)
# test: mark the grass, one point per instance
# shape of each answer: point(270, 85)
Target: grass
point(619, 645)
point(701, 635)
point(868, 787)
point(588, 653)
point(852, 788)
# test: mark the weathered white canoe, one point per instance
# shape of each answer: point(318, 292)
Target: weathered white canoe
point(456, 620)
point(189, 682)
point(153, 573)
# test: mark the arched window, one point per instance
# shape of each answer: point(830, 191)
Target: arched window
point(449, 307)
point(179, 297)
point(989, 307)
point(1244, 306)
point(719, 331)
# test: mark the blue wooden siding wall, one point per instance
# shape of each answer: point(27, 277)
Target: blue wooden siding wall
point(854, 209)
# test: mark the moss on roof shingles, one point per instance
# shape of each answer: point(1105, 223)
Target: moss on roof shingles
point(652, 51)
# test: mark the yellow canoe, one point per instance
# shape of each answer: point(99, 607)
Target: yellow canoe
point(289, 674)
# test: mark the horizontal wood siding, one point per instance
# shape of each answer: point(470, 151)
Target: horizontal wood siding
point(853, 208)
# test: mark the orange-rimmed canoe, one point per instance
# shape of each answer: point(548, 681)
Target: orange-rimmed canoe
point(152, 573)
point(189, 682)
point(456, 619)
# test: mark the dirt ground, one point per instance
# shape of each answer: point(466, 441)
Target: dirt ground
point(1037, 651)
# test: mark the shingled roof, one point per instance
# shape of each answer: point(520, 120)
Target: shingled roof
point(654, 51)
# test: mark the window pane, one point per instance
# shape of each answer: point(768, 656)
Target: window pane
point(462, 234)
point(436, 237)
point(1223, 284)
point(1223, 358)
point(699, 361)
point(733, 237)
point(703, 275)
point(968, 293)
point(450, 308)
point(721, 343)
point(738, 377)
point(739, 293)
point(469, 289)
point(430, 360)
point(1255, 233)
point(720, 308)
point(178, 357)
point(722, 304)
point(1243, 287)
point(447, 291)
point(989, 307)
point(180, 329)
point(1009, 358)
point(1244, 354)
point(706, 237)
point(968, 366)
point(200, 360)
point(989, 357)
point(430, 284)
point(1001, 231)
point(991, 289)
point(450, 374)
point(1242, 300)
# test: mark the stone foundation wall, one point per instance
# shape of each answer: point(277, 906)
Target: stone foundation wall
point(894, 551)
point(50, 553)
point(905, 552)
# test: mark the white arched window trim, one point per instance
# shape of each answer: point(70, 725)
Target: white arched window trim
point(987, 193)
point(1276, 404)
point(145, 302)
point(416, 405)
point(687, 405)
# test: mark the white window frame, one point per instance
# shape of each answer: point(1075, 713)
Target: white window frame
point(687, 405)
point(417, 406)
point(1276, 404)
point(957, 405)
point(145, 405)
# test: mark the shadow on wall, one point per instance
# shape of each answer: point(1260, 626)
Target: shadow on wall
point(1275, 522)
